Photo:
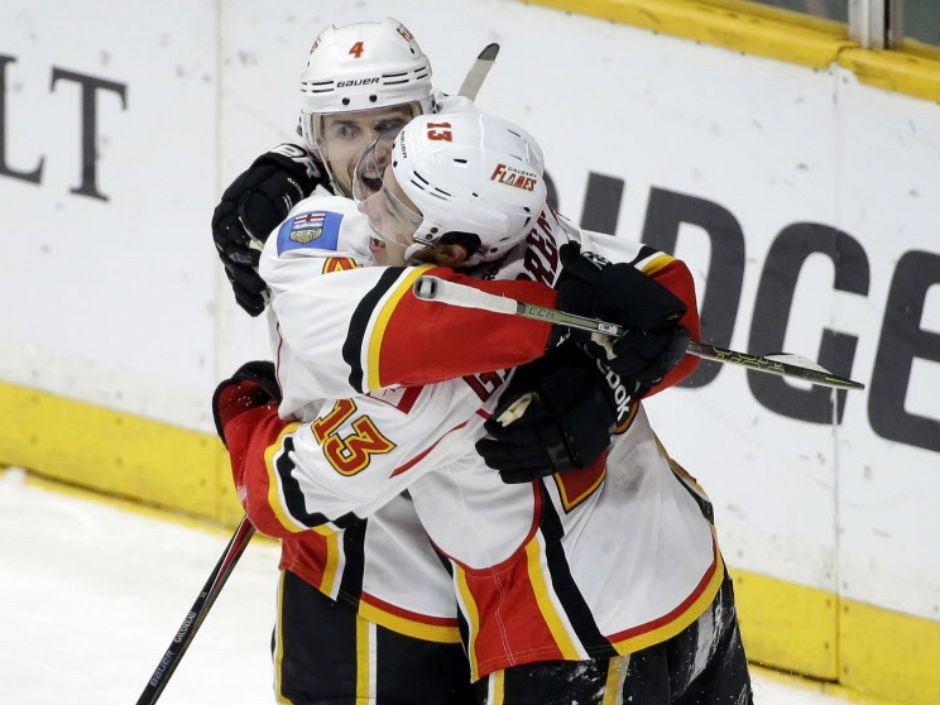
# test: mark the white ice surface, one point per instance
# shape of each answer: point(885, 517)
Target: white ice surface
point(91, 595)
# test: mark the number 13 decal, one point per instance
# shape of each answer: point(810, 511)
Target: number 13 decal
point(349, 454)
point(442, 134)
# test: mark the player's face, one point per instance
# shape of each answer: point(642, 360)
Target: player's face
point(393, 218)
point(345, 136)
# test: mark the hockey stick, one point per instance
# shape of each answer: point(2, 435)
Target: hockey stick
point(484, 62)
point(192, 622)
point(429, 288)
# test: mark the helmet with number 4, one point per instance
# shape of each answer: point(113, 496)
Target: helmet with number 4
point(471, 179)
point(360, 71)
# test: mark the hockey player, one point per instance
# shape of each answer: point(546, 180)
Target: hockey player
point(365, 613)
point(360, 80)
point(558, 578)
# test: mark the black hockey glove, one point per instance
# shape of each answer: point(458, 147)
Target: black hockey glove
point(641, 359)
point(251, 207)
point(254, 384)
point(620, 293)
point(589, 285)
point(555, 416)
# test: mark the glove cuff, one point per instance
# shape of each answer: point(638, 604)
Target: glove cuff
point(262, 373)
point(254, 384)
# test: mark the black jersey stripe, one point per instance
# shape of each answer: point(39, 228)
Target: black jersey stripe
point(354, 540)
point(645, 251)
point(704, 504)
point(293, 494)
point(346, 520)
point(572, 601)
point(352, 347)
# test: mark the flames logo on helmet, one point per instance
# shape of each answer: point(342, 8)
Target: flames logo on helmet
point(511, 176)
point(436, 174)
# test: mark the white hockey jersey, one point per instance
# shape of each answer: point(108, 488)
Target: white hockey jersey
point(386, 393)
point(385, 567)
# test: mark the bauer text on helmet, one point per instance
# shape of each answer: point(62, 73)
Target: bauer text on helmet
point(475, 180)
point(370, 72)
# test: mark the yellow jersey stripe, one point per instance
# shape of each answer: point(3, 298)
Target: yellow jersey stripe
point(275, 492)
point(546, 607)
point(410, 627)
point(364, 662)
point(616, 671)
point(279, 646)
point(381, 323)
point(473, 620)
point(332, 560)
point(657, 263)
point(498, 680)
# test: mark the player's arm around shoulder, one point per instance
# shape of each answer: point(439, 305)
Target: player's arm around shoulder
point(363, 329)
point(349, 459)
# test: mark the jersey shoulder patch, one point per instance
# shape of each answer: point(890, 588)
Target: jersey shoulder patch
point(314, 229)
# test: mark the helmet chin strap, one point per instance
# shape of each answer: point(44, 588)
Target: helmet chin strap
point(337, 187)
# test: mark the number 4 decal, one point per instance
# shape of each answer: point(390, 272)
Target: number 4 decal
point(356, 49)
point(350, 454)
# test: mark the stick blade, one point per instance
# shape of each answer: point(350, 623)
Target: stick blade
point(489, 53)
point(824, 377)
point(798, 360)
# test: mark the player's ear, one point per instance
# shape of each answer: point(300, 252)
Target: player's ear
point(452, 255)
point(445, 255)
point(456, 247)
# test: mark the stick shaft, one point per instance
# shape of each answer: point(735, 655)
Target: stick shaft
point(430, 288)
point(481, 66)
point(435, 289)
point(197, 613)
point(571, 320)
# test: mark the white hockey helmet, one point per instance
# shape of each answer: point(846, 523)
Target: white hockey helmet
point(362, 67)
point(468, 178)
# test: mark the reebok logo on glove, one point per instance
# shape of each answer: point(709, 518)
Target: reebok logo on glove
point(621, 396)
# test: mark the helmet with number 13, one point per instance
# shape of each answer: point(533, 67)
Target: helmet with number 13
point(453, 188)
